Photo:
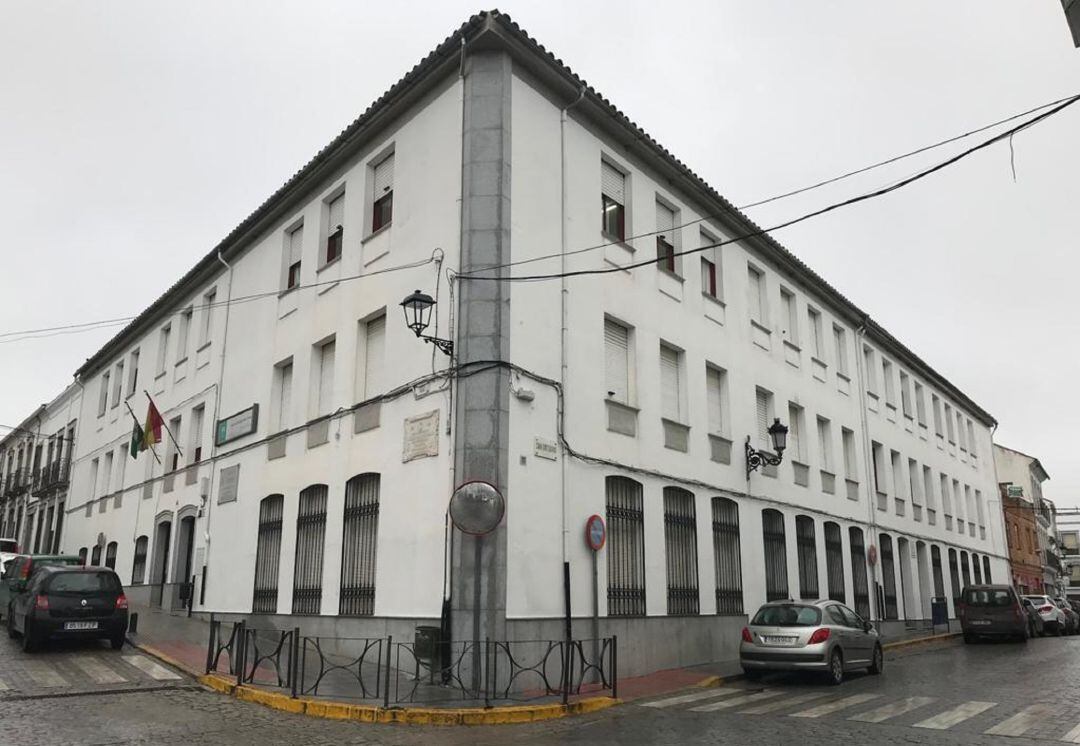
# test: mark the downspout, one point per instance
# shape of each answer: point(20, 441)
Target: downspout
point(868, 455)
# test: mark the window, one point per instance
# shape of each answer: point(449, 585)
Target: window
point(888, 577)
point(95, 556)
point(958, 504)
point(939, 579)
point(324, 380)
point(680, 546)
point(708, 277)
point(850, 464)
point(335, 228)
point(965, 569)
point(937, 414)
point(382, 208)
point(613, 198)
point(840, 342)
point(928, 488)
point(790, 319)
point(207, 316)
point(281, 402)
point(796, 428)
point(764, 401)
point(374, 350)
point(878, 454)
point(294, 253)
point(93, 478)
point(163, 348)
point(858, 572)
point(268, 554)
point(961, 435)
point(117, 383)
point(196, 433)
point(172, 456)
point(905, 394)
point(946, 501)
point(133, 372)
point(976, 570)
point(834, 561)
point(824, 433)
point(913, 482)
point(617, 361)
point(758, 306)
point(626, 547)
point(920, 403)
point(359, 545)
point(106, 474)
point(716, 398)
point(971, 439)
point(775, 545)
point(897, 474)
point(806, 544)
point(138, 566)
point(986, 570)
point(949, 424)
point(103, 393)
point(871, 371)
point(110, 555)
point(671, 383)
point(310, 535)
point(817, 343)
point(182, 336)
point(954, 577)
point(1070, 542)
point(712, 267)
point(665, 237)
point(890, 385)
point(727, 556)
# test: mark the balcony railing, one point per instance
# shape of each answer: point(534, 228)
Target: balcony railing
point(17, 482)
point(1052, 560)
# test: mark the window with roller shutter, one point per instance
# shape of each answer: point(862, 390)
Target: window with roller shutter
point(764, 418)
point(665, 238)
point(670, 383)
point(374, 350)
point(714, 383)
point(293, 254)
point(613, 199)
point(617, 361)
point(382, 210)
point(335, 228)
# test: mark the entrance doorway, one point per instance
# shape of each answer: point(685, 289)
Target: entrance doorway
point(160, 571)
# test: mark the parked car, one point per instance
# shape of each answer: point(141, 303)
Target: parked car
point(9, 548)
point(992, 611)
point(1035, 622)
point(1054, 619)
point(1073, 625)
point(21, 567)
point(69, 602)
point(823, 636)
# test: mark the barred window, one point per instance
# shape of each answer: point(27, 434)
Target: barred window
point(954, 578)
point(680, 546)
point(268, 554)
point(310, 535)
point(859, 580)
point(772, 529)
point(939, 578)
point(727, 556)
point(626, 547)
point(834, 561)
point(965, 569)
point(976, 569)
point(95, 555)
point(986, 570)
point(359, 544)
point(806, 544)
point(110, 555)
point(888, 577)
point(82, 556)
point(138, 566)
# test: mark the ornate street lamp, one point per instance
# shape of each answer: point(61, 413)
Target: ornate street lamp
point(755, 458)
point(417, 307)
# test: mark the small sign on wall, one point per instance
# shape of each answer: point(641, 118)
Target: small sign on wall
point(544, 448)
point(228, 484)
point(1015, 490)
point(421, 436)
point(238, 425)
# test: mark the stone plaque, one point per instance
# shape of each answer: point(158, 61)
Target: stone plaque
point(228, 484)
point(421, 436)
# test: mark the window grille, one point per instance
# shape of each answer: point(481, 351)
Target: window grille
point(680, 544)
point(888, 576)
point(626, 547)
point(772, 529)
point(834, 561)
point(954, 578)
point(110, 555)
point(138, 566)
point(268, 554)
point(986, 570)
point(939, 578)
point(95, 555)
point(727, 556)
point(59, 526)
point(82, 556)
point(310, 533)
point(976, 568)
point(806, 544)
point(859, 580)
point(965, 569)
point(359, 545)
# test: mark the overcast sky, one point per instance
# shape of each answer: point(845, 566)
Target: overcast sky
point(135, 135)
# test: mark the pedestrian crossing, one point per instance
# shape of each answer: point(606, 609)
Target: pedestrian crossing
point(1049, 721)
point(50, 674)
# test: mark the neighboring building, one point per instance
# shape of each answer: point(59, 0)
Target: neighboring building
point(1020, 476)
point(317, 449)
point(1068, 521)
point(35, 464)
point(1025, 554)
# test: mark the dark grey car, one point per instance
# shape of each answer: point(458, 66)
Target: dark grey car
point(993, 611)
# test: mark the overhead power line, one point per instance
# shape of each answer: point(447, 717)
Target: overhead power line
point(834, 206)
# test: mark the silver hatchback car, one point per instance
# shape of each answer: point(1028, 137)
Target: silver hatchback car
point(823, 636)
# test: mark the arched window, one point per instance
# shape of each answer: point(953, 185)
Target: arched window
point(138, 567)
point(774, 541)
point(986, 569)
point(95, 555)
point(268, 554)
point(680, 548)
point(727, 556)
point(834, 561)
point(359, 545)
point(954, 579)
point(625, 547)
point(965, 569)
point(310, 544)
point(82, 556)
point(888, 577)
point(859, 580)
point(939, 576)
point(976, 568)
point(110, 555)
point(806, 544)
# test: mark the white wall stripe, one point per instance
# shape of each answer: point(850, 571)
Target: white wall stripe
point(892, 710)
point(736, 701)
point(96, 670)
point(1021, 722)
point(784, 703)
point(958, 714)
point(836, 705)
point(150, 668)
point(694, 697)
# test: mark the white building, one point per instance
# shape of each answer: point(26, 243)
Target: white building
point(321, 439)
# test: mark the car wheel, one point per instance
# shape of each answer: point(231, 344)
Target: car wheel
point(117, 641)
point(29, 644)
point(1060, 629)
point(11, 626)
point(969, 639)
point(836, 668)
point(877, 662)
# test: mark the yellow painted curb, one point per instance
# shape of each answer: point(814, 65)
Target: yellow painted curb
point(919, 641)
point(218, 683)
point(710, 681)
point(165, 658)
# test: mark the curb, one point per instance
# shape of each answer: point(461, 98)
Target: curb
point(164, 658)
point(407, 715)
point(901, 644)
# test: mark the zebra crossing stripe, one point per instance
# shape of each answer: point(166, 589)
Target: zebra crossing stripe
point(693, 697)
point(96, 670)
point(736, 702)
point(959, 714)
point(1072, 736)
point(1021, 722)
point(836, 705)
point(3, 686)
point(892, 710)
point(44, 675)
point(784, 703)
point(150, 668)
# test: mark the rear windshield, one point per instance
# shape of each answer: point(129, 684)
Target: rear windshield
point(788, 615)
point(987, 597)
point(9, 545)
point(84, 582)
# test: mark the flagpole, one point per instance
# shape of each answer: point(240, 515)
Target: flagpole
point(166, 426)
point(139, 425)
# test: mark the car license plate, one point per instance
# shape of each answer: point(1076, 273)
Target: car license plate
point(80, 625)
point(980, 621)
point(779, 640)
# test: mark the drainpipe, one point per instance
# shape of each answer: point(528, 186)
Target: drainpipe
point(868, 456)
